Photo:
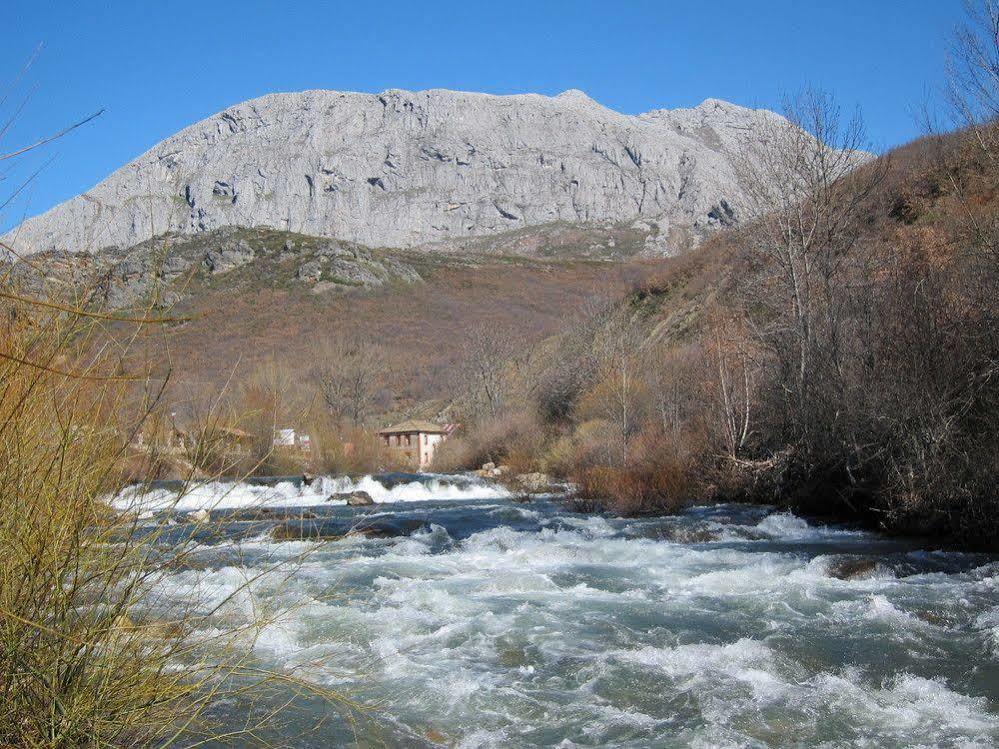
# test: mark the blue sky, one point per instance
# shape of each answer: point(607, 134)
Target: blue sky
point(156, 67)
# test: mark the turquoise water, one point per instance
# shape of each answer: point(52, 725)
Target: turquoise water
point(486, 623)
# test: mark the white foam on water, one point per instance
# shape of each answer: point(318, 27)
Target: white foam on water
point(880, 609)
point(583, 636)
point(431, 488)
point(211, 495)
point(749, 662)
point(909, 706)
point(226, 495)
point(480, 739)
point(789, 527)
point(746, 676)
point(786, 525)
point(988, 622)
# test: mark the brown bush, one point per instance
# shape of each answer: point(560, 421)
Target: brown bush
point(659, 475)
point(88, 657)
point(656, 480)
point(515, 439)
point(339, 450)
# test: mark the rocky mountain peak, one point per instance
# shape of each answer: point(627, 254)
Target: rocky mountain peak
point(411, 168)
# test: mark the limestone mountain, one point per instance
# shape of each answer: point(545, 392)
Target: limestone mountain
point(405, 169)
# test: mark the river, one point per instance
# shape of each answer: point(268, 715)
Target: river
point(468, 619)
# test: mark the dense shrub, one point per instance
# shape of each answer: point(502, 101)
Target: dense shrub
point(338, 449)
point(88, 659)
point(515, 439)
point(656, 477)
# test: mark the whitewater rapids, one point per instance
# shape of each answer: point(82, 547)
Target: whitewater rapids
point(494, 624)
point(293, 492)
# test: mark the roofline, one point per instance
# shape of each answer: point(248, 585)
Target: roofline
point(395, 430)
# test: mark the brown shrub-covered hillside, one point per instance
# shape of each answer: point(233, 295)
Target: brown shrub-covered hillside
point(839, 356)
point(237, 299)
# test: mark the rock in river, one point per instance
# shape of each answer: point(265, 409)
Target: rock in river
point(852, 568)
point(333, 530)
point(535, 483)
point(353, 499)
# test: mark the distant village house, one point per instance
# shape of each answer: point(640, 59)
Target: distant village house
point(414, 441)
point(288, 437)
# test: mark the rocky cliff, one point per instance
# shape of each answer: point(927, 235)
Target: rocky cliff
point(404, 169)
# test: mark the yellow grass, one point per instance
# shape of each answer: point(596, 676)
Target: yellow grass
point(80, 664)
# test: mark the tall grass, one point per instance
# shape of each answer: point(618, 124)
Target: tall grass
point(84, 661)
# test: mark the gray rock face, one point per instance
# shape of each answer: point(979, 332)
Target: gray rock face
point(226, 257)
point(403, 169)
point(165, 270)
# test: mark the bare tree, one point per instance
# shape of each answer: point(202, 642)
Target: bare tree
point(348, 377)
point(490, 353)
point(972, 91)
point(669, 393)
point(621, 366)
point(803, 182)
point(735, 384)
point(973, 74)
point(570, 366)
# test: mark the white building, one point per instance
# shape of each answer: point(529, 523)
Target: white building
point(288, 437)
point(414, 441)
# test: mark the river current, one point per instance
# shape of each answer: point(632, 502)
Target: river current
point(467, 619)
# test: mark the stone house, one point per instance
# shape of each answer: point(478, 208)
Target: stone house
point(413, 442)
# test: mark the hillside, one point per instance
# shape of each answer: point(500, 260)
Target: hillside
point(240, 298)
point(873, 398)
point(829, 346)
point(172, 269)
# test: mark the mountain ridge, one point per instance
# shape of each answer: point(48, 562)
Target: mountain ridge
point(407, 169)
